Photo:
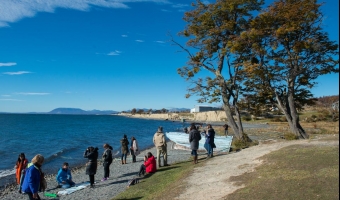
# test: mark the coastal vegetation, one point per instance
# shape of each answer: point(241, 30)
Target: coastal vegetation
point(270, 56)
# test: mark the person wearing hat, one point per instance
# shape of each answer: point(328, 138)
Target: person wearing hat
point(31, 182)
point(125, 148)
point(160, 143)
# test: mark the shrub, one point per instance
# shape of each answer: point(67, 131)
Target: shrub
point(290, 136)
point(246, 118)
point(244, 142)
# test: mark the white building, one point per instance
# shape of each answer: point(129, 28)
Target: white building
point(202, 108)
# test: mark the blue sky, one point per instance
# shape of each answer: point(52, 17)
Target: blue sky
point(106, 55)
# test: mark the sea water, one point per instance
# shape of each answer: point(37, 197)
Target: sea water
point(64, 138)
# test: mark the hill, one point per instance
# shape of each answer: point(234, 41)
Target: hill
point(78, 111)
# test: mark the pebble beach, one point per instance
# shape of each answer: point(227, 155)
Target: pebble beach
point(104, 190)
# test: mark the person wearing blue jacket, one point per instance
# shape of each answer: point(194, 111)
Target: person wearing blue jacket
point(64, 177)
point(31, 182)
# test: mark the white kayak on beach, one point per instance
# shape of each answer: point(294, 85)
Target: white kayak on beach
point(222, 143)
point(77, 187)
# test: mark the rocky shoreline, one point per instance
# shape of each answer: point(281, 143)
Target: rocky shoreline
point(119, 177)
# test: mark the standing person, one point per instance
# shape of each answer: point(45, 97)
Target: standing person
point(64, 177)
point(125, 148)
point(160, 143)
point(134, 148)
point(20, 167)
point(91, 154)
point(225, 126)
point(194, 138)
point(149, 165)
point(107, 158)
point(33, 174)
point(209, 140)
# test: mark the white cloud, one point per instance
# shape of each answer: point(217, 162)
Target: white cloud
point(124, 36)
point(139, 40)
point(5, 95)
point(15, 10)
point(7, 64)
point(10, 100)
point(164, 10)
point(180, 5)
point(32, 93)
point(161, 42)
point(17, 73)
point(114, 53)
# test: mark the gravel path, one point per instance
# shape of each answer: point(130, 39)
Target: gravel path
point(119, 177)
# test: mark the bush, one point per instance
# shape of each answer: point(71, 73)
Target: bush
point(244, 142)
point(290, 136)
point(246, 118)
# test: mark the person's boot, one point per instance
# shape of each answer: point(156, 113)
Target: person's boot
point(122, 162)
point(196, 159)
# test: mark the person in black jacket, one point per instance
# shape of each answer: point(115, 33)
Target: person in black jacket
point(91, 154)
point(107, 158)
point(209, 140)
point(125, 148)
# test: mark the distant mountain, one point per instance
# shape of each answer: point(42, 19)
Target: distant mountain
point(78, 111)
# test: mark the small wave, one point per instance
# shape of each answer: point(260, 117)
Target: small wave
point(6, 172)
point(58, 154)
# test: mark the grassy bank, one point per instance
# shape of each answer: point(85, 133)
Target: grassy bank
point(160, 185)
point(295, 172)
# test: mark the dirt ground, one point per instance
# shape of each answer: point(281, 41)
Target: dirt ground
point(211, 180)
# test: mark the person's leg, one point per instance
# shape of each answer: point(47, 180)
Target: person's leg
point(142, 170)
point(30, 196)
point(91, 179)
point(106, 170)
point(21, 180)
point(125, 155)
point(70, 182)
point(158, 157)
point(132, 155)
point(122, 158)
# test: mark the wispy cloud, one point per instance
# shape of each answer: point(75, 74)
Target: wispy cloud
point(33, 93)
point(17, 73)
point(180, 5)
point(124, 36)
point(10, 100)
point(114, 53)
point(13, 11)
point(5, 95)
point(7, 64)
point(161, 42)
point(164, 10)
point(139, 40)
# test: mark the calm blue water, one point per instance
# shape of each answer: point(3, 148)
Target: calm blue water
point(63, 138)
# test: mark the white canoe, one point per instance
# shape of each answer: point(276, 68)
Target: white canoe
point(222, 143)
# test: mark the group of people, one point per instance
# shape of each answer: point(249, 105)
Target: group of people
point(195, 137)
point(29, 176)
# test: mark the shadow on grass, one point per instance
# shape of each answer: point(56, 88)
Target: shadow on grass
point(162, 169)
point(135, 198)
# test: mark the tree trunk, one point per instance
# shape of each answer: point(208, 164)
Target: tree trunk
point(286, 104)
point(237, 127)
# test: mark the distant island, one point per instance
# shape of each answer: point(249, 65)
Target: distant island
point(78, 111)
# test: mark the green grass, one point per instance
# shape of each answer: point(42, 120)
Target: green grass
point(157, 185)
point(295, 172)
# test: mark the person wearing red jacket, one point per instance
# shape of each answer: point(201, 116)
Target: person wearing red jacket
point(149, 165)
